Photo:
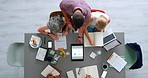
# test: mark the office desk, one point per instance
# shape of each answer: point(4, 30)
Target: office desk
point(33, 67)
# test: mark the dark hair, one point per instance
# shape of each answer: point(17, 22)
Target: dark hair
point(77, 20)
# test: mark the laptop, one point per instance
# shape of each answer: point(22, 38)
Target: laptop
point(108, 36)
point(109, 40)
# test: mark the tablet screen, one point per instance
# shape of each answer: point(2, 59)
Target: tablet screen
point(77, 52)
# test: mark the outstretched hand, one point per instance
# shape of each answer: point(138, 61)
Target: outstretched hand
point(65, 33)
point(54, 37)
point(92, 43)
point(79, 41)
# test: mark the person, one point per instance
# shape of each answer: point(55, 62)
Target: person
point(77, 14)
point(98, 23)
point(55, 25)
point(51, 76)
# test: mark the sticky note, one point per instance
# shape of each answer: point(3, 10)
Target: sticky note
point(93, 55)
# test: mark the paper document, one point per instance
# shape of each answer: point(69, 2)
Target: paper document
point(90, 70)
point(70, 74)
point(117, 62)
point(61, 42)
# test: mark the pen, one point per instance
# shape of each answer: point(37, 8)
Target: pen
point(44, 40)
point(79, 71)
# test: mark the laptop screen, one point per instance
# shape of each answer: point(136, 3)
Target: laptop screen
point(108, 38)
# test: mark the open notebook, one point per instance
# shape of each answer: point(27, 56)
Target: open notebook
point(91, 70)
point(97, 37)
point(51, 70)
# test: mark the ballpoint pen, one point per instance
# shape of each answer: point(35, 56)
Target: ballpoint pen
point(79, 71)
point(44, 40)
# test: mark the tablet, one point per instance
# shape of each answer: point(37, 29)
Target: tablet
point(77, 52)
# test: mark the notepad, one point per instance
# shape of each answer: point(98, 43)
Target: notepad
point(70, 74)
point(41, 54)
point(116, 61)
point(91, 70)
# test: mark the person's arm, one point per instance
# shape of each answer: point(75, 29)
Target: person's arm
point(83, 29)
point(86, 32)
point(66, 18)
point(42, 31)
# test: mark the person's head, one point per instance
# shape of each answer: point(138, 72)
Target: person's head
point(56, 23)
point(101, 22)
point(77, 20)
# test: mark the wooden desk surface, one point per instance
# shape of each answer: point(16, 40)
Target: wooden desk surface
point(33, 67)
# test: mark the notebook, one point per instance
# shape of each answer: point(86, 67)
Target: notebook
point(50, 70)
point(97, 37)
point(90, 70)
point(41, 54)
point(109, 40)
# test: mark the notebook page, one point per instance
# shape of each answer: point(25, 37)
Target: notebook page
point(98, 38)
point(86, 42)
point(93, 71)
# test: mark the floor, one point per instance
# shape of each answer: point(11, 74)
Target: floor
point(25, 16)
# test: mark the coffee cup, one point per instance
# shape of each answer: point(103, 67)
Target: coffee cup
point(105, 66)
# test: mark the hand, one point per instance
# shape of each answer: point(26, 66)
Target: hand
point(64, 33)
point(92, 43)
point(79, 41)
point(88, 76)
point(54, 37)
point(51, 76)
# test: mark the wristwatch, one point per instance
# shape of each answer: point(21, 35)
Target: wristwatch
point(48, 33)
point(79, 37)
